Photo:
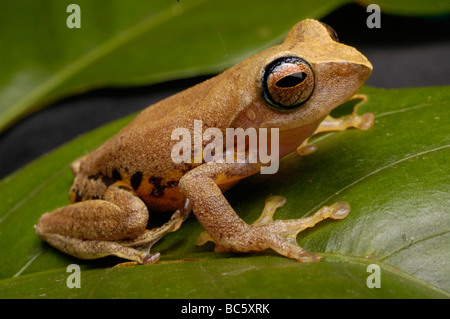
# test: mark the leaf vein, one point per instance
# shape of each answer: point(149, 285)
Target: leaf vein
point(33, 258)
point(408, 109)
point(412, 243)
point(315, 208)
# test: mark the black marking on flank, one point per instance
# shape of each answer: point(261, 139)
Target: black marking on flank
point(136, 180)
point(108, 181)
point(78, 197)
point(116, 175)
point(157, 190)
point(155, 180)
point(171, 184)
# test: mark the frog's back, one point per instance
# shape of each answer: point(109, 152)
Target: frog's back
point(139, 156)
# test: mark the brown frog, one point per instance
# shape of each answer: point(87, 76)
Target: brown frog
point(292, 87)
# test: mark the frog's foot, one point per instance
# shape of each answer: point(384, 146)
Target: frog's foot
point(150, 259)
point(281, 235)
point(145, 241)
point(329, 124)
point(138, 248)
point(93, 249)
point(360, 122)
point(305, 148)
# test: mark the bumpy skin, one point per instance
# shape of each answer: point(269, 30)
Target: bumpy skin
point(133, 172)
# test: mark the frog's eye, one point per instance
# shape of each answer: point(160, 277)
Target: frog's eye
point(287, 82)
point(331, 32)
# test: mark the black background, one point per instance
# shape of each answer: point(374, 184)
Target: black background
point(405, 52)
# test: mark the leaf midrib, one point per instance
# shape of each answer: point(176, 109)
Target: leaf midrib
point(410, 244)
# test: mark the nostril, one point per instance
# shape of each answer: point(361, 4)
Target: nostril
point(345, 66)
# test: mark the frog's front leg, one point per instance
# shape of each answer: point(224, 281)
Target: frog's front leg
point(115, 225)
point(230, 232)
point(330, 124)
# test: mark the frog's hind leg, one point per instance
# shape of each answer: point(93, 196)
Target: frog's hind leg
point(115, 225)
point(329, 124)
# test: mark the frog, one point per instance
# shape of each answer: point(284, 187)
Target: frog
point(292, 87)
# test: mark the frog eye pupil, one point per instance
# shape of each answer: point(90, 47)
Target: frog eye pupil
point(291, 80)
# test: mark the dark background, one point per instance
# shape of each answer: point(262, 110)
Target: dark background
point(405, 52)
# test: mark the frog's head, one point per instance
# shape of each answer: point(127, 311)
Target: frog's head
point(312, 73)
point(302, 80)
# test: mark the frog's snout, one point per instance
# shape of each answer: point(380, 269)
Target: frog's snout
point(364, 66)
point(354, 73)
point(364, 70)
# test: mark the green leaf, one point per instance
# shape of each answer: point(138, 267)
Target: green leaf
point(395, 176)
point(122, 43)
